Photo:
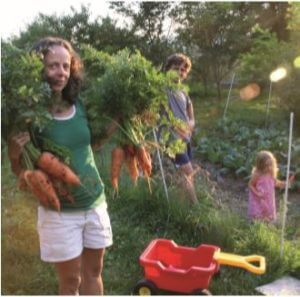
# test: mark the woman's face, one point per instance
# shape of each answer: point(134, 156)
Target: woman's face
point(57, 67)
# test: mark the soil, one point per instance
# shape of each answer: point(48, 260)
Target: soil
point(232, 192)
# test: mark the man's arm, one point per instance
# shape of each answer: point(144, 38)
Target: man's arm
point(190, 112)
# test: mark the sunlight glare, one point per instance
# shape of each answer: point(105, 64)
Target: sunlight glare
point(249, 92)
point(278, 74)
point(297, 62)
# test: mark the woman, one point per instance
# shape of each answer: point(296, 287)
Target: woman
point(74, 239)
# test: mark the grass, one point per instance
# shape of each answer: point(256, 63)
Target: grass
point(252, 112)
point(23, 273)
point(138, 217)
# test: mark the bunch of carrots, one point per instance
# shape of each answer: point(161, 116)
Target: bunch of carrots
point(136, 157)
point(48, 178)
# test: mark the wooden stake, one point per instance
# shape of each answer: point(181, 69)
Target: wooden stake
point(228, 97)
point(268, 105)
point(286, 185)
point(161, 167)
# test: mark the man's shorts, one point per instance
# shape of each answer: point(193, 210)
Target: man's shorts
point(185, 157)
point(63, 235)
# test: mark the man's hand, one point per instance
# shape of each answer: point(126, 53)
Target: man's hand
point(183, 133)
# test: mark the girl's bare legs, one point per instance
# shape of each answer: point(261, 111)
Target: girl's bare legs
point(69, 276)
point(187, 179)
point(91, 270)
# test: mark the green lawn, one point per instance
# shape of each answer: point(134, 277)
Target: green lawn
point(138, 217)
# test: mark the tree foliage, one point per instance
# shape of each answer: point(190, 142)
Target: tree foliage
point(214, 34)
point(78, 28)
point(148, 22)
point(129, 91)
point(265, 55)
point(288, 89)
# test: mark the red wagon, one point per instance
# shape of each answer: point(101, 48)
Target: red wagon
point(187, 270)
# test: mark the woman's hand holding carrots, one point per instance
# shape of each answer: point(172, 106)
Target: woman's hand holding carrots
point(41, 186)
point(39, 180)
point(15, 149)
point(16, 144)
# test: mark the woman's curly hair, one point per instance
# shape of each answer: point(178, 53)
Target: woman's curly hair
point(71, 90)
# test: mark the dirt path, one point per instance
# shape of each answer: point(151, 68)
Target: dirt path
point(233, 192)
point(228, 191)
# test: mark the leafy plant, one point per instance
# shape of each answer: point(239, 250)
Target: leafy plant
point(24, 95)
point(129, 91)
point(240, 143)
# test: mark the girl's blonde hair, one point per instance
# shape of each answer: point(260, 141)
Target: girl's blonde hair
point(262, 165)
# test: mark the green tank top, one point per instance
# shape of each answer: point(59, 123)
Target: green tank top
point(74, 135)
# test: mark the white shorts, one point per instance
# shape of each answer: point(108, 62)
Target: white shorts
point(63, 235)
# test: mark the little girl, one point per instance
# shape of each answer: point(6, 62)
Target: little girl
point(261, 204)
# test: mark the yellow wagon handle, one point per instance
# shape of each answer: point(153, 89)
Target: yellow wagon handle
point(242, 261)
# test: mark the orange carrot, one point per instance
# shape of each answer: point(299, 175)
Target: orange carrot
point(145, 162)
point(117, 159)
point(46, 185)
point(132, 165)
point(53, 166)
point(61, 189)
point(22, 185)
point(42, 187)
point(35, 189)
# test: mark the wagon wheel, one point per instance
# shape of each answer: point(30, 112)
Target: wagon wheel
point(145, 287)
point(202, 292)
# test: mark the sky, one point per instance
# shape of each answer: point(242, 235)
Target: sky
point(15, 15)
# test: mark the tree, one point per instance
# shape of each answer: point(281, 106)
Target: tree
point(107, 36)
point(147, 20)
point(72, 27)
point(266, 55)
point(77, 27)
point(273, 16)
point(215, 34)
point(288, 89)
